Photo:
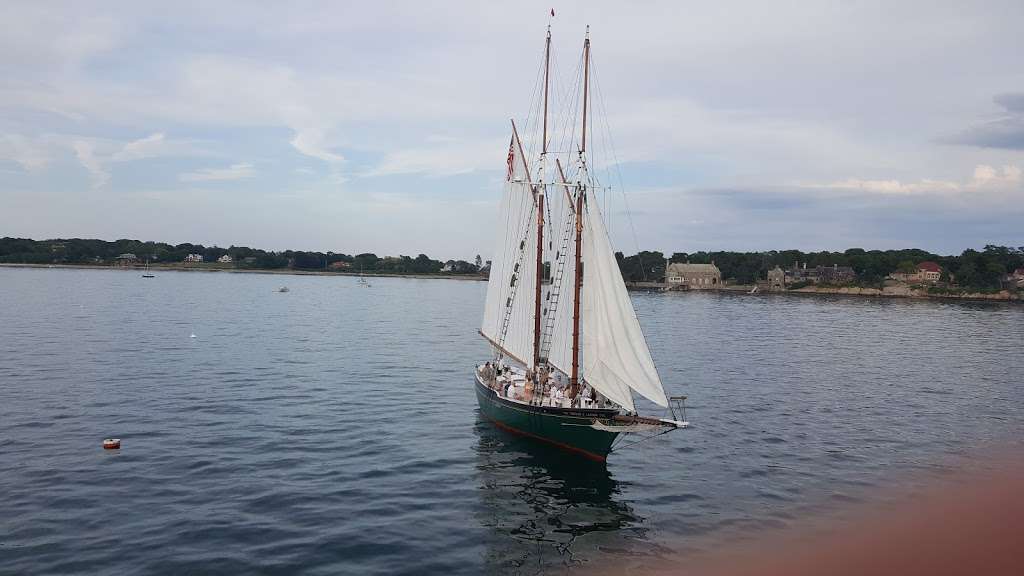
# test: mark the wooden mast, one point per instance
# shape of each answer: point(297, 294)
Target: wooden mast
point(586, 88)
point(547, 68)
point(540, 280)
point(539, 195)
point(577, 284)
point(574, 382)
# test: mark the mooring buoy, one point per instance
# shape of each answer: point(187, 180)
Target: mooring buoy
point(112, 444)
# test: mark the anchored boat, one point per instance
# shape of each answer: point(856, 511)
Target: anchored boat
point(568, 350)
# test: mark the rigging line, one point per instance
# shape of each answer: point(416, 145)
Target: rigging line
point(568, 118)
point(524, 245)
point(618, 171)
point(534, 102)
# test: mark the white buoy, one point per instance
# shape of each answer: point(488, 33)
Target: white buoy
point(193, 335)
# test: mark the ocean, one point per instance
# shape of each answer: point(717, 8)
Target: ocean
point(333, 429)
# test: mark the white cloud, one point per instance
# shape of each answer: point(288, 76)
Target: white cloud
point(85, 150)
point(152, 145)
point(29, 154)
point(98, 154)
point(985, 178)
point(311, 143)
point(443, 156)
point(233, 172)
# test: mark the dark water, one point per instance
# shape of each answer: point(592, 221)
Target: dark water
point(333, 429)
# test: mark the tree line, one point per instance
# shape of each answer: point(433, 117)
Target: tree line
point(984, 269)
point(91, 251)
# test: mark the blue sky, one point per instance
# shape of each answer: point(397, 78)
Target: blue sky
point(361, 127)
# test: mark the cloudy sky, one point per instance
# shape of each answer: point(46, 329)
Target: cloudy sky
point(365, 126)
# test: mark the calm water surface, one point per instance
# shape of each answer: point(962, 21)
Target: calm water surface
point(334, 429)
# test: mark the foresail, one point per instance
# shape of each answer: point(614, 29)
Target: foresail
point(616, 357)
point(508, 313)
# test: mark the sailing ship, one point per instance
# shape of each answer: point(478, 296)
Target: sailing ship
point(569, 353)
point(147, 273)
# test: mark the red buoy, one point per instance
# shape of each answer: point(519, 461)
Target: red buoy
point(112, 444)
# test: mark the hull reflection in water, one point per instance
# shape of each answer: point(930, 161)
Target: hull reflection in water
point(545, 510)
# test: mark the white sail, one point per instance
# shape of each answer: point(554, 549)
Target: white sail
point(616, 357)
point(512, 281)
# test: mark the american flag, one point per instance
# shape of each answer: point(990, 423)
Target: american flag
point(511, 161)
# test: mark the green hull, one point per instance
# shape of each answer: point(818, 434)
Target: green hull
point(566, 428)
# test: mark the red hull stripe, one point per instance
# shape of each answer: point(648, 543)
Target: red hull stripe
point(506, 427)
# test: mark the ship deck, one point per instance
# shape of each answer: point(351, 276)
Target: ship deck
point(512, 386)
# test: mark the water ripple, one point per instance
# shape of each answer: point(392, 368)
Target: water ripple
point(333, 430)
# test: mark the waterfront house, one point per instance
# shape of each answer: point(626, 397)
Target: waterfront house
point(225, 259)
point(926, 271)
point(693, 276)
point(1016, 279)
point(126, 259)
point(776, 279)
point(800, 273)
point(194, 258)
point(835, 274)
point(340, 265)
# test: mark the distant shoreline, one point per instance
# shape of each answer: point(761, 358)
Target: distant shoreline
point(283, 272)
point(904, 292)
point(901, 292)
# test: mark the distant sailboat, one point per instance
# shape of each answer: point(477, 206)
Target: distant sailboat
point(362, 280)
point(568, 349)
point(147, 273)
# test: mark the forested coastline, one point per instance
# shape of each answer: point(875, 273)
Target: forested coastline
point(981, 269)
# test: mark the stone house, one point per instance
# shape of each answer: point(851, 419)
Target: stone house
point(126, 259)
point(835, 274)
point(693, 276)
point(776, 279)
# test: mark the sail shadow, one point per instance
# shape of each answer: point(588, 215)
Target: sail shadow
point(546, 509)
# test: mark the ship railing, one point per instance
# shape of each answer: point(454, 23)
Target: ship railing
point(677, 405)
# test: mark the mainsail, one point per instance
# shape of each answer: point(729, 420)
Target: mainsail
point(508, 316)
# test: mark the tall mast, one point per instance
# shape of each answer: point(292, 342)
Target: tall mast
point(577, 284)
point(586, 87)
point(539, 195)
point(547, 68)
point(580, 193)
